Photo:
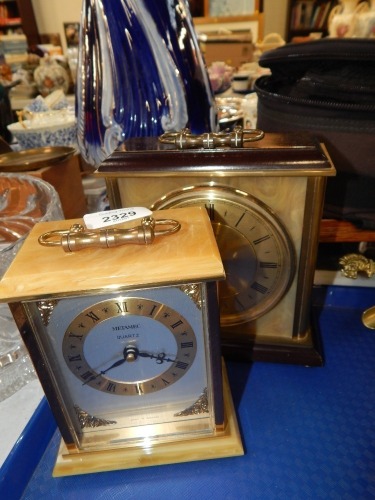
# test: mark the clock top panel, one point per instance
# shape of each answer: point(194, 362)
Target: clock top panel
point(188, 256)
point(276, 154)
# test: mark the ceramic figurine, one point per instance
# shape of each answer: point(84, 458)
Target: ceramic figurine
point(50, 76)
point(341, 21)
point(365, 22)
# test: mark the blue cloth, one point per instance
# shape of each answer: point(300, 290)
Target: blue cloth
point(307, 432)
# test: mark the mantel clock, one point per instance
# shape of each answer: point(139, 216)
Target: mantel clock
point(264, 195)
point(125, 339)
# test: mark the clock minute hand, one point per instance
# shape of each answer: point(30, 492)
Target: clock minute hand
point(129, 354)
point(114, 365)
point(102, 372)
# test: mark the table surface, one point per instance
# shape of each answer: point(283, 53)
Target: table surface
point(307, 432)
point(15, 412)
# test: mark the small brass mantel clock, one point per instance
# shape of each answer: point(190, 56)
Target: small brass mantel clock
point(264, 196)
point(125, 341)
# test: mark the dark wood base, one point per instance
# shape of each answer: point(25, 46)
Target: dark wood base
point(307, 354)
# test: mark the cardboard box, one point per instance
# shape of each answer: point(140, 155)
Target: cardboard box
point(66, 178)
point(234, 50)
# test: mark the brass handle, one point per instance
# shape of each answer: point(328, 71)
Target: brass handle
point(211, 140)
point(79, 238)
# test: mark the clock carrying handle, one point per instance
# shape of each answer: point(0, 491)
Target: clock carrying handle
point(211, 140)
point(79, 238)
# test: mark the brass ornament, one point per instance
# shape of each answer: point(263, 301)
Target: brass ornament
point(352, 264)
point(46, 308)
point(193, 291)
point(87, 420)
point(368, 318)
point(200, 406)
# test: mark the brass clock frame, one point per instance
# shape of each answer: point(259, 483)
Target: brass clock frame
point(286, 172)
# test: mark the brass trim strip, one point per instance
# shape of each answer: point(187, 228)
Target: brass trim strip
point(309, 250)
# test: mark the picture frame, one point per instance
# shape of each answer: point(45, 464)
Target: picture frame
point(71, 31)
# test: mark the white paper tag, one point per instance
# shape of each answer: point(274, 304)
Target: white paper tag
point(111, 217)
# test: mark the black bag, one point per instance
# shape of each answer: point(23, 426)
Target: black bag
point(327, 87)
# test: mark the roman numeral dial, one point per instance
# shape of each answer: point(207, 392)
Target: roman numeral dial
point(256, 249)
point(129, 346)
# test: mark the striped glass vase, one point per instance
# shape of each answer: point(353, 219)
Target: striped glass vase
point(140, 73)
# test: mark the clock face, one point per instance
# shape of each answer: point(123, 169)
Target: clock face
point(129, 346)
point(256, 250)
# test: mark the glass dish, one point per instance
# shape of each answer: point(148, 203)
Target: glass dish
point(24, 200)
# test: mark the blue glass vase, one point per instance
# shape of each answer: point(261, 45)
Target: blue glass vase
point(140, 73)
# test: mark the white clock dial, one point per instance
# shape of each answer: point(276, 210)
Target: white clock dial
point(129, 346)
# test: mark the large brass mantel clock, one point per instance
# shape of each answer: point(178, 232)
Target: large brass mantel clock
point(125, 339)
point(264, 198)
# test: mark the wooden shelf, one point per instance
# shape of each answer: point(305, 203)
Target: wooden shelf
point(308, 16)
point(23, 11)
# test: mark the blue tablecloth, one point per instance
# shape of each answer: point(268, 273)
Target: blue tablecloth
point(307, 432)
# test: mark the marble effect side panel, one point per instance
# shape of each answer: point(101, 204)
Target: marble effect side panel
point(285, 195)
point(170, 259)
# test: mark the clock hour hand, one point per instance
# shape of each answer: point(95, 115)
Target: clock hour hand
point(132, 353)
point(160, 358)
